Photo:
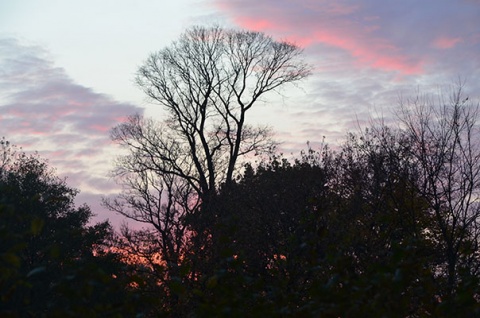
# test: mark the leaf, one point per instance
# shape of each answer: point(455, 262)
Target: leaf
point(36, 271)
point(36, 226)
point(212, 282)
point(176, 286)
point(12, 259)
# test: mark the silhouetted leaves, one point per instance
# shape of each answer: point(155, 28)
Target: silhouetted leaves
point(53, 263)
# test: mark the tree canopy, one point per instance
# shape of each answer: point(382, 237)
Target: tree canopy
point(54, 263)
point(206, 82)
point(386, 224)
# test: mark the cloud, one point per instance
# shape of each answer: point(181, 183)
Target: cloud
point(395, 38)
point(341, 25)
point(446, 42)
point(42, 109)
point(45, 101)
point(366, 54)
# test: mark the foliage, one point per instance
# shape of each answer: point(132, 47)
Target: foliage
point(285, 244)
point(387, 225)
point(206, 82)
point(355, 232)
point(53, 263)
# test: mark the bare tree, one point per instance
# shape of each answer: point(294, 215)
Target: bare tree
point(159, 200)
point(207, 81)
point(445, 146)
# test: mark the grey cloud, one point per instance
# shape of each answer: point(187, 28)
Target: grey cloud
point(42, 108)
point(41, 97)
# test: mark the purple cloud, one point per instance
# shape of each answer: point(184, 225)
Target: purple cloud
point(43, 109)
point(366, 54)
point(405, 37)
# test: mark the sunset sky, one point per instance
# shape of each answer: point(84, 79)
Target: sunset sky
point(67, 68)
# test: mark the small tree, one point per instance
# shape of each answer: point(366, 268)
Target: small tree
point(444, 145)
point(206, 81)
point(52, 262)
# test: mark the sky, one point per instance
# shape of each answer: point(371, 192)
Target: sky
point(67, 69)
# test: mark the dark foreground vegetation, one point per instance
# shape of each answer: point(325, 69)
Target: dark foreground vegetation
point(385, 225)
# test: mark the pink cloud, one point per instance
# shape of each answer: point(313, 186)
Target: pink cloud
point(309, 23)
point(100, 128)
point(446, 42)
point(45, 110)
point(373, 53)
point(256, 24)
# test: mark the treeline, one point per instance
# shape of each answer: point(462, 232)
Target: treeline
point(53, 264)
point(384, 225)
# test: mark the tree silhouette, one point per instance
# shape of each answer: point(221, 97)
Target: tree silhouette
point(206, 82)
point(53, 263)
point(444, 134)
